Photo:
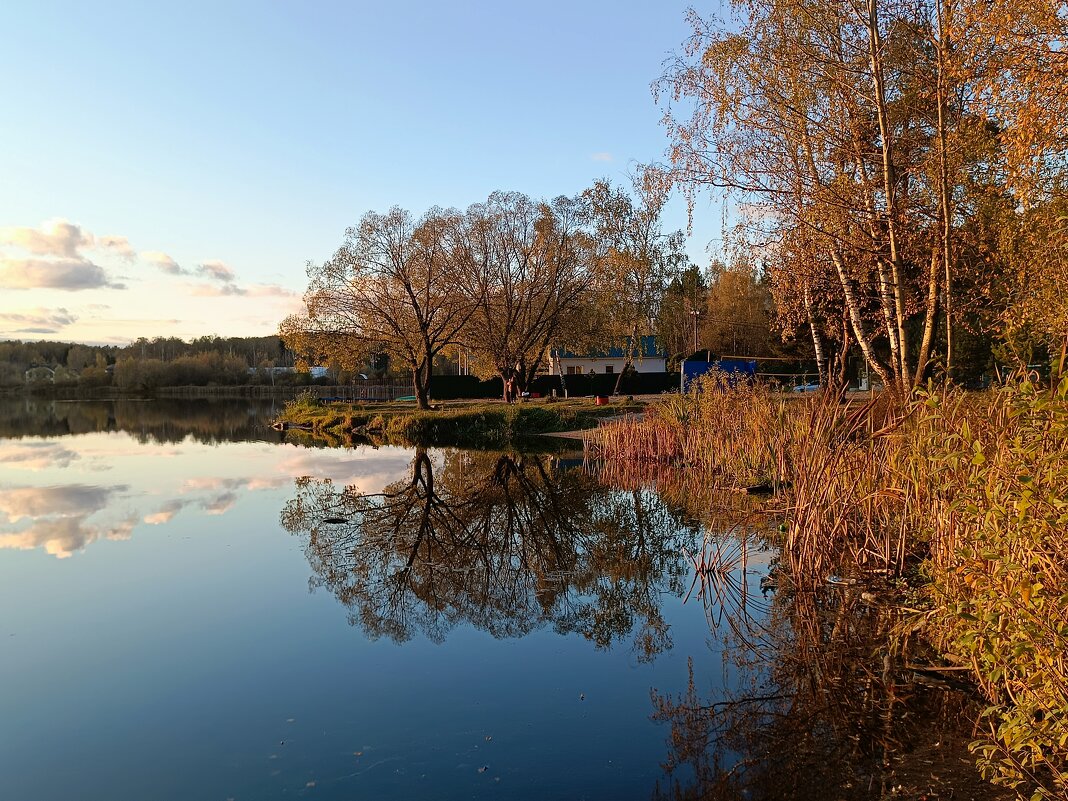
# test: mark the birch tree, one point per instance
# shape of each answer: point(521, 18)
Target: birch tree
point(635, 260)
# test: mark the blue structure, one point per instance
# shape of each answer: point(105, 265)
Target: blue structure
point(704, 361)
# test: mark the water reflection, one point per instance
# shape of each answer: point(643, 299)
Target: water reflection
point(161, 420)
point(826, 705)
point(57, 519)
point(62, 495)
point(505, 542)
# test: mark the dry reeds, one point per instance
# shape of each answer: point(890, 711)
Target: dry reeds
point(966, 493)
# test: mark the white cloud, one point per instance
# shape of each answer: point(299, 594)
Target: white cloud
point(231, 289)
point(602, 157)
point(220, 504)
point(36, 321)
point(211, 291)
point(163, 262)
point(216, 271)
point(35, 456)
point(54, 238)
point(74, 500)
point(165, 513)
point(72, 275)
point(62, 536)
point(119, 245)
point(269, 291)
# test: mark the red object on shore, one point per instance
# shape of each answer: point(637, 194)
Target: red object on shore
point(535, 394)
point(601, 400)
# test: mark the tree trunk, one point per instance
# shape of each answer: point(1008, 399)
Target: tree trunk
point(817, 340)
point(945, 198)
point(928, 322)
point(628, 360)
point(421, 384)
point(843, 353)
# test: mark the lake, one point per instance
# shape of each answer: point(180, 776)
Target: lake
point(193, 606)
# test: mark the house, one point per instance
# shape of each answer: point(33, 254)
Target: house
point(649, 358)
point(40, 375)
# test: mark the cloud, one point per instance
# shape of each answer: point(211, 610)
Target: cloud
point(35, 455)
point(368, 474)
point(166, 512)
point(233, 290)
point(71, 275)
point(58, 517)
point(54, 238)
point(119, 245)
point(213, 484)
point(220, 504)
point(73, 500)
point(211, 291)
point(163, 262)
point(269, 291)
point(62, 536)
point(36, 321)
point(216, 271)
point(602, 157)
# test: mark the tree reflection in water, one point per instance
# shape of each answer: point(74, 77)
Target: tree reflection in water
point(502, 541)
point(825, 703)
point(827, 709)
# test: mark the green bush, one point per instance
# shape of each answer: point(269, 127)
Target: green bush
point(999, 573)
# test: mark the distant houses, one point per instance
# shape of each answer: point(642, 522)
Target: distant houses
point(40, 375)
point(649, 358)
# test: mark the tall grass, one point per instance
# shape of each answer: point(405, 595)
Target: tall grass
point(966, 495)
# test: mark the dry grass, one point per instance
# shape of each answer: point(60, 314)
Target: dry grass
point(965, 494)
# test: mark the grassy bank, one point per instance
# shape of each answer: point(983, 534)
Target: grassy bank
point(473, 424)
point(963, 497)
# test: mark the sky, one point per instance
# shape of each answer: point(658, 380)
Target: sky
point(169, 169)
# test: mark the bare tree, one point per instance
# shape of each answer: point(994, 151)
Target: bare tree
point(387, 288)
point(522, 268)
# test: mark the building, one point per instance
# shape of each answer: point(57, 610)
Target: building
point(650, 358)
point(40, 375)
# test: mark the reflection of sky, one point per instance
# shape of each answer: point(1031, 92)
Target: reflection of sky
point(63, 495)
point(189, 660)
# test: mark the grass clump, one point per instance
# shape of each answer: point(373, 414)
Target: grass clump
point(305, 403)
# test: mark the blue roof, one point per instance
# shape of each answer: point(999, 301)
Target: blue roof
point(648, 349)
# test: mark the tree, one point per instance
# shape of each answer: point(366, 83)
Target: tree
point(808, 111)
point(864, 138)
point(683, 297)
point(738, 309)
point(389, 288)
point(634, 260)
point(505, 542)
point(521, 267)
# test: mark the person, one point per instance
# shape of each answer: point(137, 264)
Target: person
point(509, 390)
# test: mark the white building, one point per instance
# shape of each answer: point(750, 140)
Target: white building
point(649, 359)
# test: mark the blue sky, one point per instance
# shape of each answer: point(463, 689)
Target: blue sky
point(201, 153)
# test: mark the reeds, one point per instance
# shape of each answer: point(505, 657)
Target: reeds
point(965, 494)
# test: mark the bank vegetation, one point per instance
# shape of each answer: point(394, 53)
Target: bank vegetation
point(960, 497)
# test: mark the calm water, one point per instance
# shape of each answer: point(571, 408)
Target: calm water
point(192, 607)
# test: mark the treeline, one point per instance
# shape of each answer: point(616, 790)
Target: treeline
point(160, 421)
point(147, 364)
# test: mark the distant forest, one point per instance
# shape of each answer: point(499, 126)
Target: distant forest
point(150, 363)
